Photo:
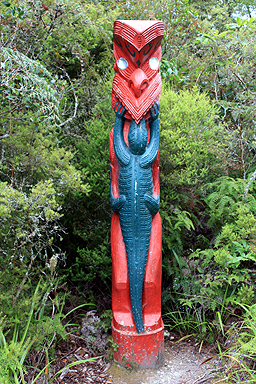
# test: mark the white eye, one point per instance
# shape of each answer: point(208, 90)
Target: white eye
point(153, 63)
point(122, 63)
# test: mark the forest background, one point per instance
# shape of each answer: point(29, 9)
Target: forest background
point(56, 71)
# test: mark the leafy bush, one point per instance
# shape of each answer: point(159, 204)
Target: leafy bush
point(90, 216)
point(192, 152)
point(239, 348)
point(216, 279)
point(31, 329)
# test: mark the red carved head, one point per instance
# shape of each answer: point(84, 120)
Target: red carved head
point(137, 49)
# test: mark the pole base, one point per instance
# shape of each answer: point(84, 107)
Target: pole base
point(144, 350)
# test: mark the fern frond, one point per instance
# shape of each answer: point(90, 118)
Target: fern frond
point(225, 202)
point(30, 83)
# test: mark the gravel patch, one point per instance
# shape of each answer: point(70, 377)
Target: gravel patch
point(182, 365)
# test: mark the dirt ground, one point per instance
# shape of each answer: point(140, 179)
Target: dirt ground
point(184, 363)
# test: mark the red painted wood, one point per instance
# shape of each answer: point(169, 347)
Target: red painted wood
point(141, 35)
point(144, 349)
point(137, 88)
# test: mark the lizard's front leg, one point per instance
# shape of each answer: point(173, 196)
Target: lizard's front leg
point(116, 202)
point(152, 203)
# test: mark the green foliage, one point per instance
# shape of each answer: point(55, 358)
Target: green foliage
point(35, 171)
point(30, 140)
point(181, 20)
point(170, 72)
point(232, 7)
point(186, 320)
point(191, 141)
point(91, 215)
point(55, 87)
point(106, 319)
point(226, 73)
point(30, 84)
point(225, 197)
point(12, 357)
point(10, 12)
point(226, 267)
point(28, 331)
point(38, 327)
point(93, 264)
point(245, 295)
point(28, 221)
point(87, 51)
point(191, 145)
point(240, 348)
point(247, 334)
point(212, 281)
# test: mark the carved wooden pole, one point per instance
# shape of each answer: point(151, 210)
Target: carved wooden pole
point(136, 229)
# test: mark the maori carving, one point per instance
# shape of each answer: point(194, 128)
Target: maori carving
point(136, 232)
point(136, 203)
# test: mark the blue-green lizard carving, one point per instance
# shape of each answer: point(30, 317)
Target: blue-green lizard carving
point(136, 203)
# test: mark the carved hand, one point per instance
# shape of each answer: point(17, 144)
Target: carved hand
point(119, 110)
point(154, 111)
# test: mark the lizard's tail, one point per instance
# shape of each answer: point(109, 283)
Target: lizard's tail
point(136, 279)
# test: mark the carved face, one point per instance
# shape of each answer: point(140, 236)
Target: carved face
point(137, 83)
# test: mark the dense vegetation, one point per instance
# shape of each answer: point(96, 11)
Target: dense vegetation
point(56, 71)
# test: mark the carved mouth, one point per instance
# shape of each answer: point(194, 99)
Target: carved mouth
point(136, 107)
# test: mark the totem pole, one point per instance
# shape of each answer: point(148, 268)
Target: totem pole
point(136, 230)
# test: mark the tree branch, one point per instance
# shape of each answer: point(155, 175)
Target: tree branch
point(76, 104)
point(246, 191)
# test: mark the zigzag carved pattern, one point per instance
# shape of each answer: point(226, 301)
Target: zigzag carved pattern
point(135, 37)
point(136, 107)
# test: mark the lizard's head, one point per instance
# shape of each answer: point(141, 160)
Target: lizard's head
point(138, 137)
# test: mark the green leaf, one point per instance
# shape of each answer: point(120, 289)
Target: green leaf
point(239, 21)
point(232, 26)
